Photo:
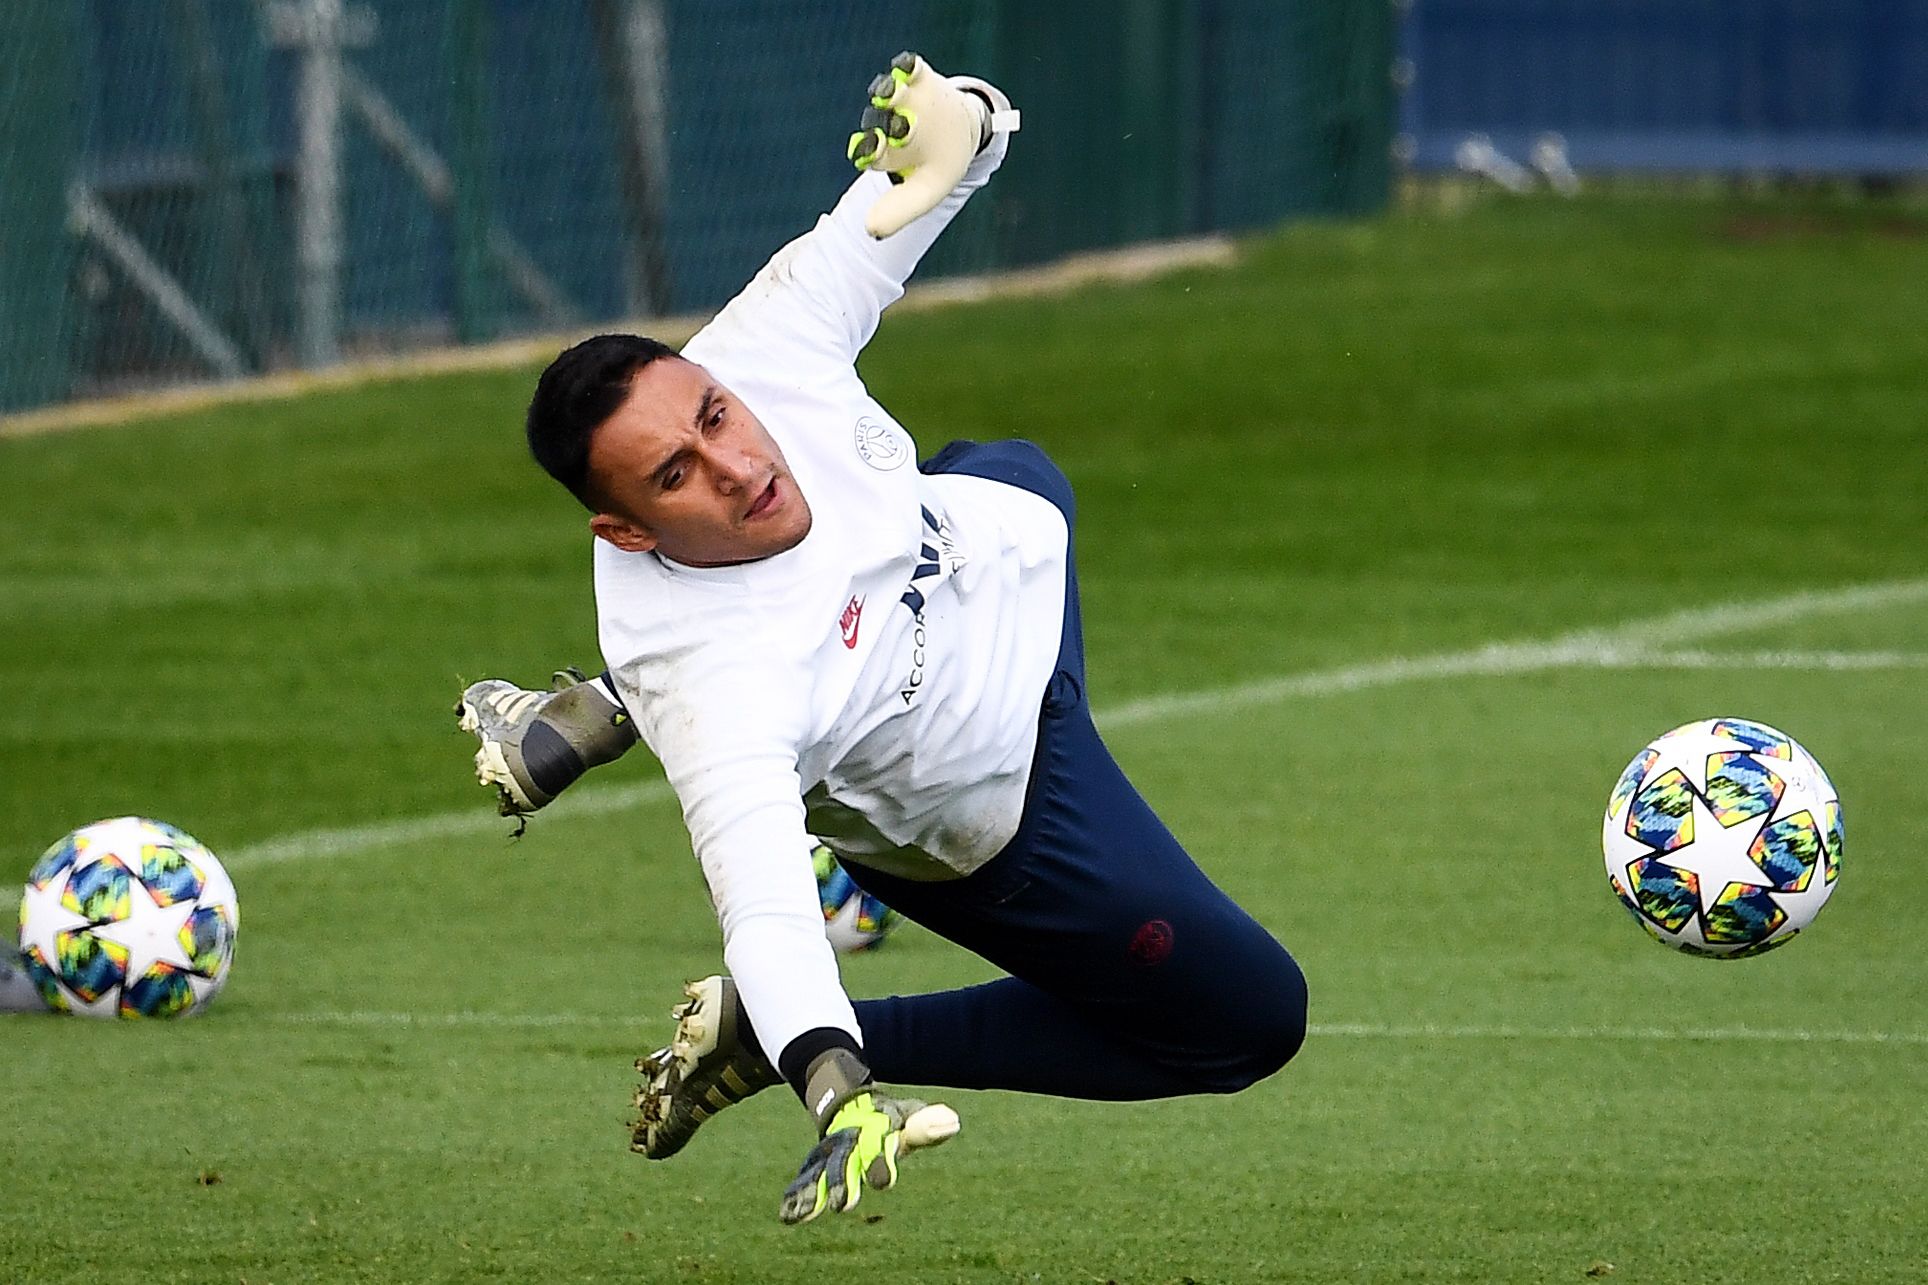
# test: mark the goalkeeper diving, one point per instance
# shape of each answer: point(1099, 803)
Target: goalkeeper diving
point(819, 636)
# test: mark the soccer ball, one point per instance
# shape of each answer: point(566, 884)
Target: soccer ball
point(852, 918)
point(1723, 838)
point(128, 918)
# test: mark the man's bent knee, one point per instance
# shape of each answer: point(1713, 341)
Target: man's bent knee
point(1269, 1032)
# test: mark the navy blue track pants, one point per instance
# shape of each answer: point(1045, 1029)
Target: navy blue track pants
point(1131, 975)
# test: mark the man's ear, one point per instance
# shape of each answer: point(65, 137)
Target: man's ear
point(628, 536)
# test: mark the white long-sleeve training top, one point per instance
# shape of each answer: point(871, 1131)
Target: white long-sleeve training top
point(879, 684)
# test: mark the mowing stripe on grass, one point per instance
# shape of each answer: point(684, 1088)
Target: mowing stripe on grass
point(1635, 644)
point(1319, 1030)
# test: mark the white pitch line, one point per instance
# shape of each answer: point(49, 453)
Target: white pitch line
point(1586, 647)
point(1738, 617)
point(1717, 1035)
point(461, 1019)
point(1814, 660)
point(1317, 1030)
point(1629, 645)
point(470, 823)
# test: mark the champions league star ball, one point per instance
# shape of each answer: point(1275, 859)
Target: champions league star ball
point(128, 918)
point(1723, 838)
point(852, 918)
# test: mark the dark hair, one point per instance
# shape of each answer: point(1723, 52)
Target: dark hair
point(580, 389)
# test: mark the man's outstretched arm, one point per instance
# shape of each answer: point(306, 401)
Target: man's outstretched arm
point(923, 148)
point(825, 291)
point(724, 720)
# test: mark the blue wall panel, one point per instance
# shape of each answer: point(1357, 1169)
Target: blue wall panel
point(1786, 85)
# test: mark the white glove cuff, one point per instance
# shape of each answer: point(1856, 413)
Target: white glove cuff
point(1005, 119)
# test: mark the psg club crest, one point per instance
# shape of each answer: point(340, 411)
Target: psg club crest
point(881, 446)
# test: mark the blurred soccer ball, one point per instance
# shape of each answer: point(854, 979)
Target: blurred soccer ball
point(852, 918)
point(1723, 838)
point(128, 918)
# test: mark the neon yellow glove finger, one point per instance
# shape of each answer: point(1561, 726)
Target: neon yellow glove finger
point(922, 129)
point(859, 1146)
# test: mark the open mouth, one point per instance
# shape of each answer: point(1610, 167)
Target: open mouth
point(764, 502)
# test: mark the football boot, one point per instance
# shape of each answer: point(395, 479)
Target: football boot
point(711, 1062)
point(535, 744)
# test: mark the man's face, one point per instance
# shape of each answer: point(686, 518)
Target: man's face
point(684, 468)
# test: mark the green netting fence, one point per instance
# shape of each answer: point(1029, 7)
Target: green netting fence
point(208, 189)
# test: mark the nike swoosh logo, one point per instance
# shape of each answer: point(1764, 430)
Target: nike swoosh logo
point(848, 622)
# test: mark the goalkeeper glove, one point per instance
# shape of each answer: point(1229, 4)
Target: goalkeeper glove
point(863, 1134)
point(923, 130)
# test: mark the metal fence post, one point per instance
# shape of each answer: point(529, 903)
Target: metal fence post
point(633, 39)
point(318, 224)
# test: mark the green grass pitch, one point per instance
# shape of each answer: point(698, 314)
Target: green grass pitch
point(1433, 439)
